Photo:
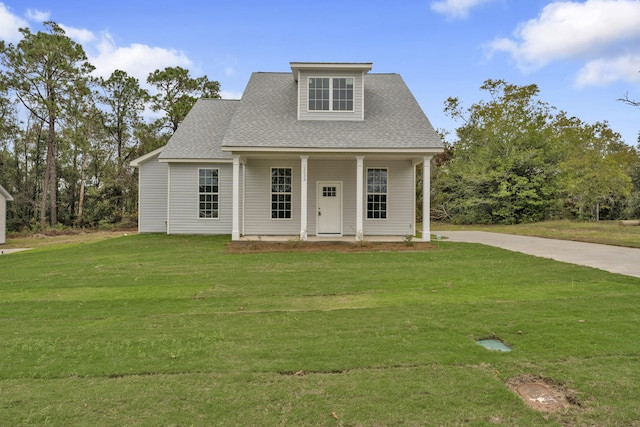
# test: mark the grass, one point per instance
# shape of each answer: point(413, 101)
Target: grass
point(605, 232)
point(148, 330)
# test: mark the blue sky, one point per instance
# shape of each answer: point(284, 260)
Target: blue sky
point(583, 55)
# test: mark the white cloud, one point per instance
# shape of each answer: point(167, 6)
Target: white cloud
point(230, 94)
point(605, 71)
point(80, 35)
point(137, 60)
point(456, 9)
point(594, 30)
point(9, 25)
point(37, 15)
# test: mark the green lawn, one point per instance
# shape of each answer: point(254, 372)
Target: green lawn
point(605, 232)
point(156, 330)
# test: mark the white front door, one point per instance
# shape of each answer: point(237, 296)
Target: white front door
point(329, 207)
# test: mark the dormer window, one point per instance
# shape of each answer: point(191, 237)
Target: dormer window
point(331, 91)
point(331, 94)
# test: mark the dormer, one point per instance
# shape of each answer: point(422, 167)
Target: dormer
point(330, 90)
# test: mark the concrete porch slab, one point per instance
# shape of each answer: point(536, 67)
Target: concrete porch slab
point(264, 238)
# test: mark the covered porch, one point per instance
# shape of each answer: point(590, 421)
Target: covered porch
point(314, 173)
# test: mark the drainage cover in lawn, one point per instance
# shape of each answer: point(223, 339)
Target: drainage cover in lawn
point(495, 345)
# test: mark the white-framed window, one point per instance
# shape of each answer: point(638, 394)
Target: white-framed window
point(208, 193)
point(377, 193)
point(281, 191)
point(331, 94)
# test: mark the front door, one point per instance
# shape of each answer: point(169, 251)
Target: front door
point(329, 203)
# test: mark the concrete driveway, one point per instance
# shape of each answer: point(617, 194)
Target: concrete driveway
point(10, 251)
point(609, 258)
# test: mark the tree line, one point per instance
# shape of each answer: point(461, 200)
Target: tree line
point(516, 159)
point(66, 137)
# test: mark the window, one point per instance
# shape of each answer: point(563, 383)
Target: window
point(208, 193)
point(319, 94)
point(342, 94)
point(377, 193)
point(327, 94)
point(280, 193)
point(329, 192)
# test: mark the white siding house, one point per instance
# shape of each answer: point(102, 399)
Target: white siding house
point(152, 193)
point(4, 198)
point(327, 149)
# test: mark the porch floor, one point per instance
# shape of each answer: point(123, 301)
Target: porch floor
point(288, 238)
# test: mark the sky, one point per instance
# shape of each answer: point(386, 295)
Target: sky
point(582, 55)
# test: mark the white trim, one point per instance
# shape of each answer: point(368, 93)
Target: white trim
point(6, 194)
point(330, 66)
point(226, 161)
point(362, 97)
point(359, 198)
point(296, 76)
point(235, 199)
point(414, 198)
point(136, 162)
point(299, 150)
point(303, 196)
point(198, 217)
point(139, 197)
point(426, 199)
point(386, 193)
point(244, 192)
point(319, 185)
point(168, 199)
point(271, 168)
point(331, 79)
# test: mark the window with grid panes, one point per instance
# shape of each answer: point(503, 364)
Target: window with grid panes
point(331, 94)
point(377, 193)
point(208, 193)
point(281, 193)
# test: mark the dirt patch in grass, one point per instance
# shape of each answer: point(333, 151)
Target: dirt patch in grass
point(249, 247)
point(543, 394)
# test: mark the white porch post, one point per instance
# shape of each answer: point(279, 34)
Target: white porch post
point(426, 199)
point(359, 197)
point(303, 197)
point(235, 200)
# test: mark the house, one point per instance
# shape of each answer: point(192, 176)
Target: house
point(4, 198)
point(325, 150)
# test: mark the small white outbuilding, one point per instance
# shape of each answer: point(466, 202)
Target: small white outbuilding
point(4, 198)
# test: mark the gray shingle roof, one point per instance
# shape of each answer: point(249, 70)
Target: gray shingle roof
point(266, 117)
point(201, 133)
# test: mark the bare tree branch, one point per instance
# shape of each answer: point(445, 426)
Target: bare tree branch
point(629, 101)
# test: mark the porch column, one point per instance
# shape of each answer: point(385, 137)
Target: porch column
point(235, 200)
point(359, 197)
point(303, 197)
point(426, 199)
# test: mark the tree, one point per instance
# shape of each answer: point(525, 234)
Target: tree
point(177, 92)
point(503, 168)
point(124, 101)
point(8, 128)
point(42, 70)
point(83, 125)
point(596, 171)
